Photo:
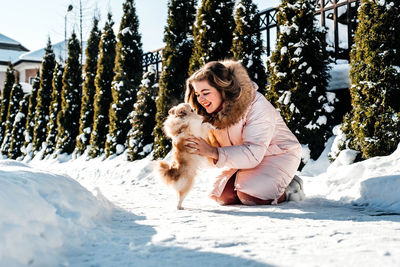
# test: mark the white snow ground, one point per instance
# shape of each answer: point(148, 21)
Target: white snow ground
point(115, 213)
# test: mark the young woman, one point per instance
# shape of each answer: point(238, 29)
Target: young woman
point(257, 153)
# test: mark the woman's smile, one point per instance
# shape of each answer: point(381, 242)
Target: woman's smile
point(208, 96)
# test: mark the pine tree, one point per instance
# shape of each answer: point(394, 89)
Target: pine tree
point(68, 117)
point(143, 117)
point(176, 55)
point(44, 98)
point(247, 43)
point(30, 119)
point(299, 75)
point(212, 32)
point(128, 74)
point(5, 99)
point(55, 106)
point(103, 80)
point(17, 134)
point(88, 88)
point(373, 125)
point(15, 98)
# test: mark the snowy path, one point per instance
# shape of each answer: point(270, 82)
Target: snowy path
point(149, 231)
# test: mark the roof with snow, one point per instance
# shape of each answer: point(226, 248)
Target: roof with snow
point(7, 40)
point(37, 55)
point(10, 50)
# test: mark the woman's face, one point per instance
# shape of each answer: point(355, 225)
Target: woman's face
point(207, 96)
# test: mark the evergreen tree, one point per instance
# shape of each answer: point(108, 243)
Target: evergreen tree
point(103, 80)
point(5, 99)
point(55, 106)
point(15, 98)
point(30, 119)
point(17, 134)
point(247, 43)
point(44, 98)
point(128, 74)
point(68, 116)
point(143, 117)
point(373, 125)
point(176, 54)
point(298, 69)
point(212, 32)
point(88, 88)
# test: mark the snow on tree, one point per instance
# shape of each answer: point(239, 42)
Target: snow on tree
point(373, 125)
point(44, 98)
point(16, 96)
point(30, 119)
point(88, 89)
point(298, 74)
point(68, 117)
point(212, 32)
point(17, 134)
point(103, 80)
point(55, 106)
point(143, 117)
point(247, 43)
point(128, 74)
point(5, 99)
point(178, 48)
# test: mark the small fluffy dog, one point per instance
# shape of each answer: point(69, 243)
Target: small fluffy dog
point(182, 122)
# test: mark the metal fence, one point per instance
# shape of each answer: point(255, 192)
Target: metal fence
point(338, 16)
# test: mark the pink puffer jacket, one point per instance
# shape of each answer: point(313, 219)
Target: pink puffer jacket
point(254, 141)
point(261, 148)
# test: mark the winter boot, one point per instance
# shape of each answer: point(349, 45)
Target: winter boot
point(294, 191)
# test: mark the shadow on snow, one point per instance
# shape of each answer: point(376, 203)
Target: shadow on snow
point(128, 242)
point(313, 209)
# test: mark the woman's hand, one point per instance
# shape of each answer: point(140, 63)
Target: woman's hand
point(201, 147)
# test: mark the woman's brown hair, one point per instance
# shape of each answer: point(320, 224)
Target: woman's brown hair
point(219, 77)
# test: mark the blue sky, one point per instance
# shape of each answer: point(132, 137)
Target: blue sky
point(32, 22)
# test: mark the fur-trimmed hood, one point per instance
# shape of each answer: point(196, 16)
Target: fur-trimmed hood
point(234, 109)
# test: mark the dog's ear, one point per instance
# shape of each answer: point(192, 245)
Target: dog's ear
point(172, 111)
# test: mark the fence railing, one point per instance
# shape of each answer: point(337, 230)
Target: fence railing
point(153, 58)
point(338, 16)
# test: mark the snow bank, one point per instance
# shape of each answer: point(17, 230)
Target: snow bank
point(371, 183)
point(49, 219)
point(339, 75)
point(43, 215)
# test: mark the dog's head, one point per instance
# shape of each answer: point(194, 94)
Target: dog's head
point(181, 110)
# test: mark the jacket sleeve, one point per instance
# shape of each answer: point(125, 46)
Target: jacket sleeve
point(257, 133)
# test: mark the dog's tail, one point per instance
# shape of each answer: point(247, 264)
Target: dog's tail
point(168, 173)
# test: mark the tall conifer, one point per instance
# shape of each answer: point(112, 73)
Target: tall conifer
point(55, 107)
point(128, 74)
point(30, 119)
point(15, 98)
point(17, 134)
point(44, 98)
point(176, 54)
point(143, 117)
point(299, 75)
point(68, 117)
point(247, 43)
point(88, 88)
point(103, 80)
point(212, 32)
point(5, 99)
point(373, 125)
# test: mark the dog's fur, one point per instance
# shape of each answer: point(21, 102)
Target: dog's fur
point(182, 122)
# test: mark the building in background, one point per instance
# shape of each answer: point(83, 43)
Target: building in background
point(10, 51)
point(26, 62)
